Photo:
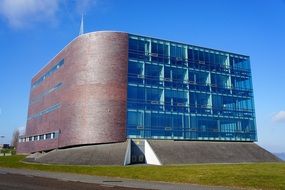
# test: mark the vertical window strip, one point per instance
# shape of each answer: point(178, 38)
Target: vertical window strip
point(48, 74)
point(39, 97)
point(45, 111)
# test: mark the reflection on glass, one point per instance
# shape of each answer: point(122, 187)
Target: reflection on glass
point(179, 91)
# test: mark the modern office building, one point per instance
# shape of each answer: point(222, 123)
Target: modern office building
point(107, 87)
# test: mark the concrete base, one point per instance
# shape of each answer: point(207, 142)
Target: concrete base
point(165, 151)
point(192, 152)
point(101, 154)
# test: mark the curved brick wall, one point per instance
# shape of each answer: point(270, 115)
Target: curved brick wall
point(92, 97)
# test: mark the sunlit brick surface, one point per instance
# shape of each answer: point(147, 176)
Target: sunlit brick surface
point(92, 97)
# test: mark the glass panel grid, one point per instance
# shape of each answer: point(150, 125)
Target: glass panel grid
point(179, 91)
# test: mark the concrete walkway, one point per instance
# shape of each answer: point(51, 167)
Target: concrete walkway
point(111, 181)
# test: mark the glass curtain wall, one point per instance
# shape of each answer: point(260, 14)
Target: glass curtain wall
point(179, 91)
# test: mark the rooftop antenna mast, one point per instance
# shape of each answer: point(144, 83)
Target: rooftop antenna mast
point(81, 30)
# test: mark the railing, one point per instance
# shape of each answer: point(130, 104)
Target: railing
point(191, 63)
point(180, 132)
point(187, 84)
point(183, 107)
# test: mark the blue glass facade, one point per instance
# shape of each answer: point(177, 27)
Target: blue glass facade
point(179, 91)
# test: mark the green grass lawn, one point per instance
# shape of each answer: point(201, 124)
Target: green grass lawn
point(249, 176)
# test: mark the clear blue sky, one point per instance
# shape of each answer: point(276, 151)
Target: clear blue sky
point(32, 32)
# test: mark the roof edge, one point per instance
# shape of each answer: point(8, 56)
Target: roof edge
point(74, 39)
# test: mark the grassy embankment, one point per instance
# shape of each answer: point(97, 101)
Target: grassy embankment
point(249, 176)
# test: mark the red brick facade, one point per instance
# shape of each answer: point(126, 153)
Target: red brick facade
point(92, 97)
